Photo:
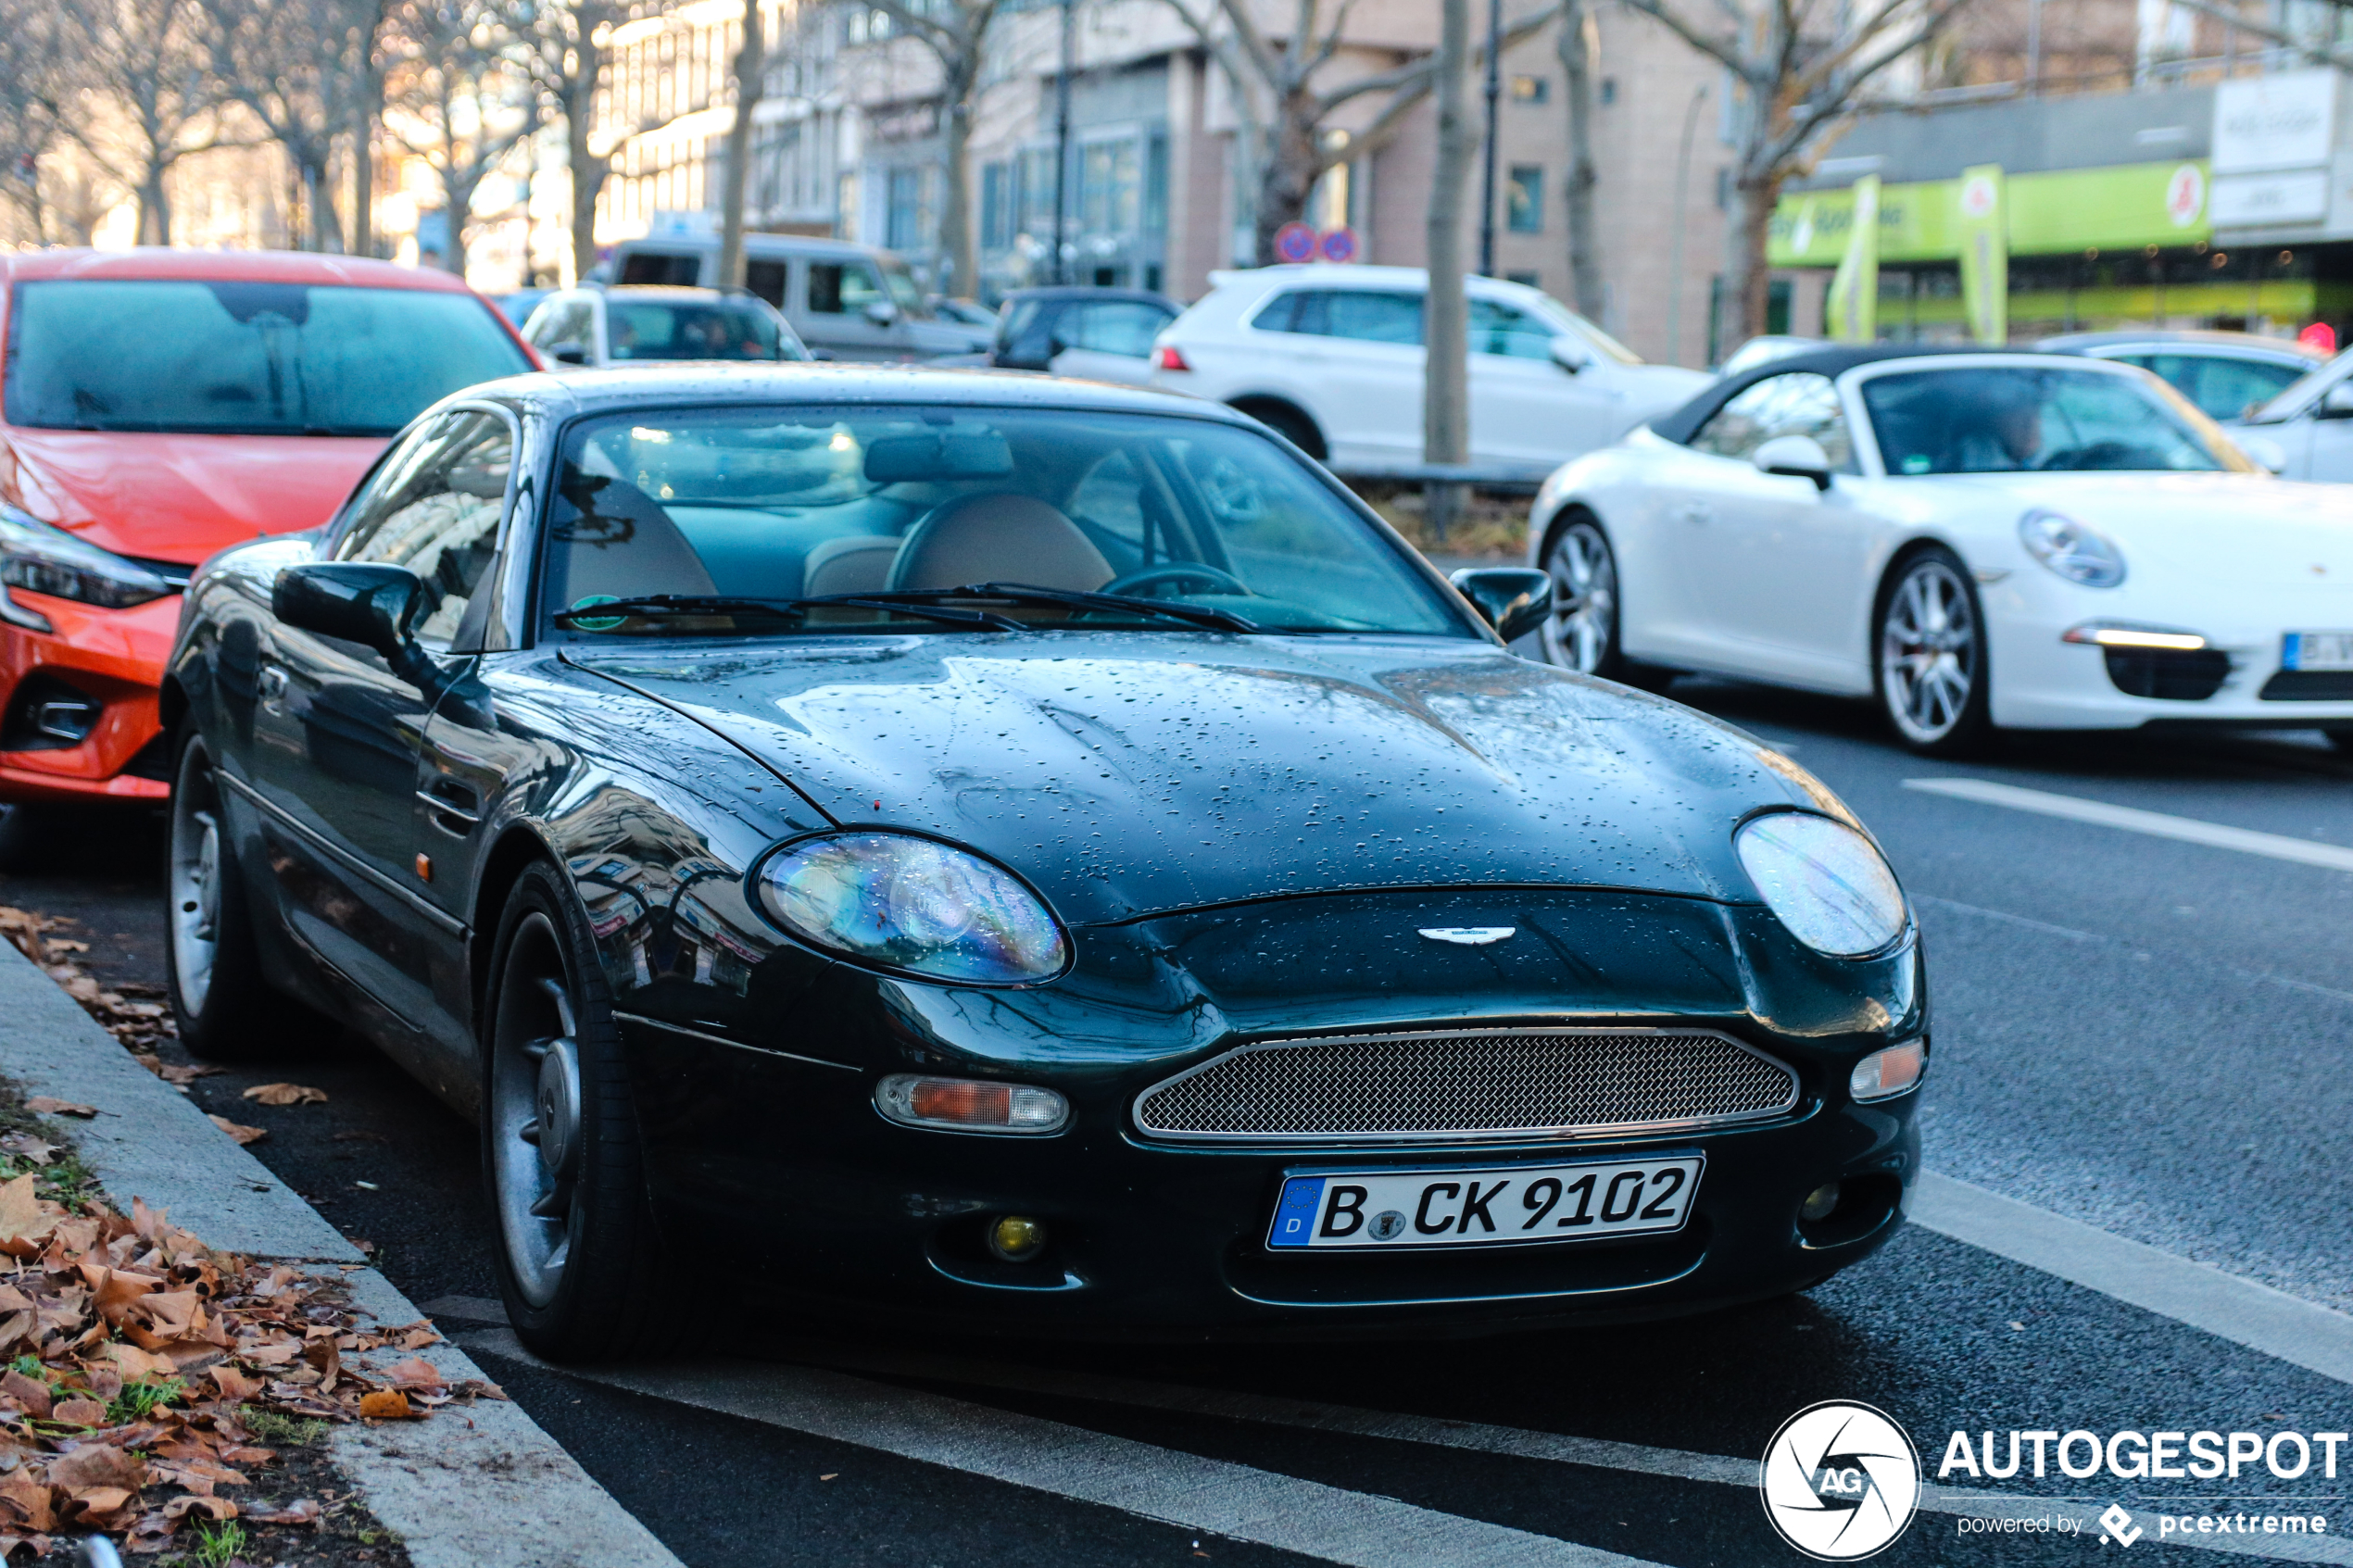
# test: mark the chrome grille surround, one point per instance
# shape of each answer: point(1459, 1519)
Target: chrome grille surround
point(1465, 1085)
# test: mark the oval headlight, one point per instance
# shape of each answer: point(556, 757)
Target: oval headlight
point(1825, 881)
point(913, 904)
point(2076, 551)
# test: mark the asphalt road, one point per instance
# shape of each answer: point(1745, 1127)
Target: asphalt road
point(2133, 1031)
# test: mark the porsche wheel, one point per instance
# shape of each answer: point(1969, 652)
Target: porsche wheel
point(1931, 669)
point(1582, 631)
point(577, 1249)
point(225, 1011)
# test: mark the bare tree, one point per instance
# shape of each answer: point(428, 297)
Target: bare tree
point(1800, 67)
point(1446, 316)
point(149, 67)
point(289, 63)
point(1286, 103)
point(32, 56)
point(750, 77)
point(1577, 47)
point(465, 99)
point(955, 32)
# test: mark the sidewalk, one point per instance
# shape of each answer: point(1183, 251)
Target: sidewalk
point(479, 1488)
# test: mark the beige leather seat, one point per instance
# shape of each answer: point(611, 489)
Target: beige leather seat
point(855, 563)
point(999, 539)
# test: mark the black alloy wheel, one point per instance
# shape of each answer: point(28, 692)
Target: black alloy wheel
point(1930, 665)
point(224, 1009)
point(578, 1253)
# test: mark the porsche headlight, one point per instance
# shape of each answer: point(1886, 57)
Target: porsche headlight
point(1825, 881)
point(913, 904)
point(44, 559)
point(2076, 551)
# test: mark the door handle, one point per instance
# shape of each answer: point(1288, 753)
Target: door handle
point(271, 682)
point(1698, 512)
point(452, 804)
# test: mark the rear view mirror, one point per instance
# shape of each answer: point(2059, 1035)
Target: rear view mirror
point(882, 313)
point(1794, 457)
point(2337, 403)
point(980, 454)
point(1512, 600)
point(569, 354)
point(363, 602)
point(1569, 354)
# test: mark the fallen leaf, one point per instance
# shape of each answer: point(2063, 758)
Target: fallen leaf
point(24, 1145)
point(234, 1385)
point(184, 1076)
point(43, 1105)
point(415, 1372)
point(302, 1511)
point(243, 1134)
point(286, 1094)
point(79, 1412)
point(21, 1210)
point(216, 1508)
point(362, 1242)
point(385, 1404)
point(97, 1464)
point(30, 1394)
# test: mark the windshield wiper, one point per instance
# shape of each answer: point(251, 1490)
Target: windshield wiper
point(786, 609)
point(1200, 615)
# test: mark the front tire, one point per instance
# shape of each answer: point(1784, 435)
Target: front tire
point(225, 1011)
point(1929, 672)
point(578, 1253)
point(1582, 631)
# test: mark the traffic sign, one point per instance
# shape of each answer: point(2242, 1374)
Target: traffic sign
point(1338, 245)
point(1295, 242)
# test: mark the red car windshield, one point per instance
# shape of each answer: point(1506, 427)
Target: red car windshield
point(244, 359)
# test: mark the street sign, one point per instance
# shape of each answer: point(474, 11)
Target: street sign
point(1295, 242)
point(1338, 245)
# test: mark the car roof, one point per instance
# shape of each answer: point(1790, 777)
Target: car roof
point(1685, 423)
point(159, 263)
point(676, 292)
point(2283, 346)
point(1084, 291)
point(652, 385)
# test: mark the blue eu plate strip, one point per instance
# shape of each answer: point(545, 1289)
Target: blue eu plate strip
point(2291, 657)
point(1295, 1215)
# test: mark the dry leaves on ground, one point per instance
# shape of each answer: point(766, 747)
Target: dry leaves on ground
point(135, 1015)
point(286, 1094)
point(139, 1355)
point(238, 1129)
point(43, 1105)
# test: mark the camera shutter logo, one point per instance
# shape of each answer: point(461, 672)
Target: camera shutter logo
point(1840, 1480)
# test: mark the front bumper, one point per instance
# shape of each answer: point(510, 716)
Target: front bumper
point(1159, 1237)
point(114, 658)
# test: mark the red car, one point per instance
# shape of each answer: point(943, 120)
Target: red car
point(157, 406)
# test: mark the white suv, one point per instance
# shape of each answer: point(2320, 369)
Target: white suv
point(1332, 357)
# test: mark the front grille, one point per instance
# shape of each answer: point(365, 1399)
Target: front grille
point(2308, 685)
point(2174, 674)
point(1485, 1083)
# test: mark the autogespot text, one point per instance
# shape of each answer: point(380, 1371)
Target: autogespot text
point(2133, 1456)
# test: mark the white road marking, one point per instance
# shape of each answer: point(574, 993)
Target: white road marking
point(2042, 925)
point(2157, 824)
point(2225, 1306)
point(1198, 1494)
point(1350, 1421)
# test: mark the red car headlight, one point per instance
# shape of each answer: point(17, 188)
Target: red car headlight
point(46, 560)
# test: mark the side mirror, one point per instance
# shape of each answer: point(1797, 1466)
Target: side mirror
point(882, 313)
point(1569, 354)
point(1512, 600)
point(2266, 453)
point(363, 602)
point(569, 354)
point(1796, 456)
point(2337, 403)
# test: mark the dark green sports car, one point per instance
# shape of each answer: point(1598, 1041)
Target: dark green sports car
point(1043, 856)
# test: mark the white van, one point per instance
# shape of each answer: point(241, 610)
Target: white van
point(847, 301)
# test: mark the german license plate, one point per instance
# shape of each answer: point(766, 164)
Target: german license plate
point(1407, 1209)
point(2318, 650)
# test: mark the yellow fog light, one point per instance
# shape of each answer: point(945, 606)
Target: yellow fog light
point(1017, 1237)
point(1883, 1075)
point(1819, 1202)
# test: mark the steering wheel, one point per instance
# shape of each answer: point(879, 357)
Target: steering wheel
point(1181, 571)
point(2098, 455)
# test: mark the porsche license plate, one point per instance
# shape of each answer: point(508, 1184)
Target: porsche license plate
point(1406, 1210)
point(2318, 650)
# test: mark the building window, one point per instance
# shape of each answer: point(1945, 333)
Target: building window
point(995, 206)
point(903, 218)
point(1111, 186)
point(1036, 194)
point(1531, 89)
point(1523, 200)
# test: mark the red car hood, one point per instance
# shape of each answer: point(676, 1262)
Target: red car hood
point(180, 498)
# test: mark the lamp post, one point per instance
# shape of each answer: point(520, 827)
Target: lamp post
point(1494, 93)
point(1062, 146)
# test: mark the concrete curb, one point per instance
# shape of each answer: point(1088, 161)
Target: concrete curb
point(481, 1488)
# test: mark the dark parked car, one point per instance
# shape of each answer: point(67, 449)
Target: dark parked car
point(1106, 335)
point(1045, 852)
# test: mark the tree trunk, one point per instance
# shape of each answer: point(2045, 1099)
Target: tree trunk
point(1576, 67)
point(458, 201)
point(1747, 278)
point(365, 103)
point(1445, 317)
point(958, 270)
point(751, 74)
point(1288, 176)
point(588, 171)
point(155, 209)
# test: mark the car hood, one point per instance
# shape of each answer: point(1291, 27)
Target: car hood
point(1137, 775)
point(180, 498)
point(2209, 530)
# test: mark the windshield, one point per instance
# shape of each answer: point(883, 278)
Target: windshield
point(903, 292)
point(649, 330)
point(779, 505)
point(244, 359)
point(2005, 419)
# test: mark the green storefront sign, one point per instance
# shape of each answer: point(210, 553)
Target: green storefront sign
point(2125, 206)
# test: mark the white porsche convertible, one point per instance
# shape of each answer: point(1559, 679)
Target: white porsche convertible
point(1974, 540)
